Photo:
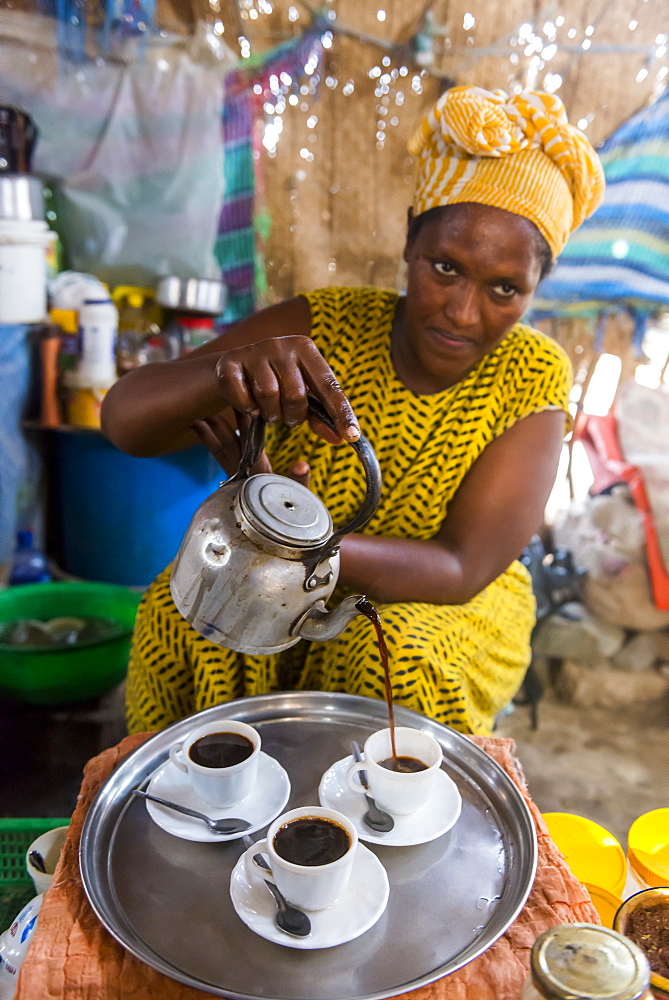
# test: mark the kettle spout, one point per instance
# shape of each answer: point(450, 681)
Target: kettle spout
point(319, 624)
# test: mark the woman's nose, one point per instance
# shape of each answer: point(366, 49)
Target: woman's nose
point(463, 306)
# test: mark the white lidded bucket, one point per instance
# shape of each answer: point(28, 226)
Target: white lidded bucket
point(23, 270)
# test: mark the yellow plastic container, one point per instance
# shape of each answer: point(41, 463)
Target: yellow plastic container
point(648, 848)
point(593, 854)
point(84, 406)
point(605, 902)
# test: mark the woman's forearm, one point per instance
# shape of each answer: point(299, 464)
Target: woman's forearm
point(150, 410)
point(391, 570)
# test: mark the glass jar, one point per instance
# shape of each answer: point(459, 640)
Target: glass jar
point(586, 962)
point(644, 919)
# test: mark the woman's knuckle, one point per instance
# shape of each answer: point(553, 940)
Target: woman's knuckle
point(294, 398)
point(263, 391)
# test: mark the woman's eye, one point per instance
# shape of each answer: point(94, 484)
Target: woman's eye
point(506, 291)
point(442, 267)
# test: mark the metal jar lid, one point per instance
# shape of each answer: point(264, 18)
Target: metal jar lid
point(588, 962)
point(285, 511)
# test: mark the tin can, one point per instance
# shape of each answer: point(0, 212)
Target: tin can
point(586, 962)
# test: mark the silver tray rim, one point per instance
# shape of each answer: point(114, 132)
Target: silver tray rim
point(113, 798)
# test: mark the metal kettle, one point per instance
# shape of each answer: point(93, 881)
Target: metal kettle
point(260, 557)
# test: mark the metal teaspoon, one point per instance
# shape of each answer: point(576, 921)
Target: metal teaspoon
point(376, 819)
point(288, 918)
point(224, 827)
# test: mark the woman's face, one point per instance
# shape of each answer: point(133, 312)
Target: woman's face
point(472, 272)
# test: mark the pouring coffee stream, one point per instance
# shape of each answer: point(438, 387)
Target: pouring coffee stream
point(369, 611)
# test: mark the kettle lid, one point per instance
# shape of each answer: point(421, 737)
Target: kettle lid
point(285, 511)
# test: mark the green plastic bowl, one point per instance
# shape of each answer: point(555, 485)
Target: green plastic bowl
point(59, 675)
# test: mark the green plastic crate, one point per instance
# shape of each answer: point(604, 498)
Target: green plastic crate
point(16, 886)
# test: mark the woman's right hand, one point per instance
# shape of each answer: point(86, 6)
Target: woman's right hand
point(266, 363)
point(273, 376)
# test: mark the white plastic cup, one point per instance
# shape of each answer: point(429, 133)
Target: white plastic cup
point(399, 793)
point(310, 887)
point(48, 845)
point(220, 786)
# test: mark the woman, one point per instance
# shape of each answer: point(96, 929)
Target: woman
point(464, 406)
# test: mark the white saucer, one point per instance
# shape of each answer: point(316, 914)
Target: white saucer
point(358, 909)
point(265, 802)
point(428, 823)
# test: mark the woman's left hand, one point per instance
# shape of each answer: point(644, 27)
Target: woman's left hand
point(224, 435)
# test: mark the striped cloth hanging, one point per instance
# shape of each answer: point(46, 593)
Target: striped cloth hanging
point(244, 221)
point(621, 253)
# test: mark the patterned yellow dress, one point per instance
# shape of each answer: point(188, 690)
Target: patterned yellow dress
point(458, 664)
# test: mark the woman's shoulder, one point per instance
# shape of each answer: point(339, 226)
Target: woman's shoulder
point(528, 339)
point(342, 298)
point(347, 318)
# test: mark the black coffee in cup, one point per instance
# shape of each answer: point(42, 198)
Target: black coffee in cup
point(311, 841)
point(221, 749)
point(403, 765)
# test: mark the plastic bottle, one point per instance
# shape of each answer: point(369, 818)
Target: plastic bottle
point(138, 319)
point(96, 368)
point(586, 962)
point(49, 348)
point(98, 332)
point(29, 563)
point(68, 355)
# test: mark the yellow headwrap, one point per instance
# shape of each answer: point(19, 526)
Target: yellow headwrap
point(514, 152)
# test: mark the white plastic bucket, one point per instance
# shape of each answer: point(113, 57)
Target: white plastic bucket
point(23, 270)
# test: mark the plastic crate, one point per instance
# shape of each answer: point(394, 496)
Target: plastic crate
point(16, 887)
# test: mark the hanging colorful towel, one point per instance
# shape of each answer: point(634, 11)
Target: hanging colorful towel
point(243, 224)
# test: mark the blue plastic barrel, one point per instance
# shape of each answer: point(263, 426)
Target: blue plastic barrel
point(122, 518)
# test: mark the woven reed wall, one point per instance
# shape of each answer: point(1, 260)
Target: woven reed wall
point(340, 218)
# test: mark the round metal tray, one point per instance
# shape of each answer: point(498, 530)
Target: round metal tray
point(167, 900)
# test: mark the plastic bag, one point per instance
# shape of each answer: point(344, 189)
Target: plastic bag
point(605, 535)
point(136, 147)
point(643, 430)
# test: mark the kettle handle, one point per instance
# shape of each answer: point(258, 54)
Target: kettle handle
point(255, 442)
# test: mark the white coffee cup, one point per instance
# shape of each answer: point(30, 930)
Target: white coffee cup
point(48, 845)
point(309, 886)
point(398, 792)
point(220, 786)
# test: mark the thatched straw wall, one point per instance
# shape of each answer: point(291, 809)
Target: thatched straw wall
point(340, 217)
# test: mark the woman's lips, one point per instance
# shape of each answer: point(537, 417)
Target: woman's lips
point(450, 339)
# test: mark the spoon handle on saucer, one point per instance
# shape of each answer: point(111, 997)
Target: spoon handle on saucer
point(355, 749)
point(170, 805)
